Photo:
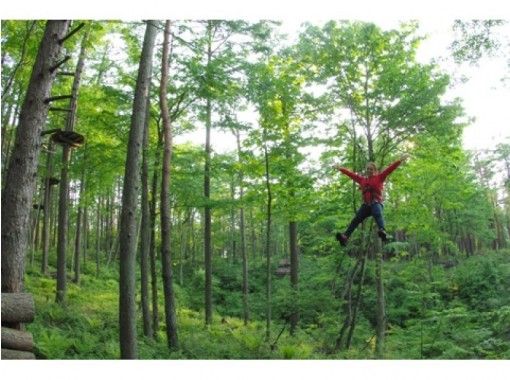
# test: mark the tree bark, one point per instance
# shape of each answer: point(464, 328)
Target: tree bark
point(128, 233)
point(16, 355)
point(145, 232)
point(17, 340)
point(166, 253)
point(18, 194)
point(17, 307)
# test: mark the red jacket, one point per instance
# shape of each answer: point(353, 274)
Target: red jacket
point(372, 187)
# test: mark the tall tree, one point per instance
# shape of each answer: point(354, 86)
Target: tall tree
point(214, 60)
point(80, 224)
point(47, 207)
point(268, 236)
point(166, 254)
point(128, 233)
point(242, 233)
point(153, 253)
point(19, 190)
point(145, 231)
point(63, 213)
point(208, 251)
point(373, 76)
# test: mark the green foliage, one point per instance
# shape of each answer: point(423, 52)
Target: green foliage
point(370, 79)
point(463, 314)
point(482, 282)
point(476, 38)
point(457, 317)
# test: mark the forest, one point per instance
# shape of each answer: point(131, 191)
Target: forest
point(125, 238)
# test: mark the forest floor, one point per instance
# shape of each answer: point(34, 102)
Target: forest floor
point(461, 312)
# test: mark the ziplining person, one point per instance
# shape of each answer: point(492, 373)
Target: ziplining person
point(371, 187)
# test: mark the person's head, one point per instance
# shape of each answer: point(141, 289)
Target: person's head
point(371, 169)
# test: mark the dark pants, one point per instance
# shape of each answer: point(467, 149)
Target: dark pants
point(375, 209)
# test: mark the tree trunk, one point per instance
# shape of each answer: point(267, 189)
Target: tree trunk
point(62, 228)
point(268, 244)
point(246, 309)
point(182, 247)
point(208, 251)
point(145, 232)
point(154, 275)
point(17, 340)
point(78, 238)
point(207, 221)
point(47, 209)
point(381, 309)
point(9, 135)
point(17, 307)
point(348, 305)
point(15, 354)
point(35, 229)
point(193, 245)
point(63, 212)
point(128, 233)
point(232, 221)
point(20, 179)
point(53, 221)
point(6, 118)
point(98, 233)
point(253, 235)
point(85, 233)
point(166, 253)
point(357, 302)
point(294, 272)
point(111, 212)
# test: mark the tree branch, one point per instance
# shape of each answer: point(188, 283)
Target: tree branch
point(71, 33)
point(60, 63)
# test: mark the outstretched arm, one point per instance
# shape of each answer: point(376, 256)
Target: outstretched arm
point(386, 172)
point(357, 178)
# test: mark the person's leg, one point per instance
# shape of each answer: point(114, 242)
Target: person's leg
point(362, 213)
point(377, 213)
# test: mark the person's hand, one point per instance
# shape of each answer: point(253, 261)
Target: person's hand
point(404, 157)
point(336, 167)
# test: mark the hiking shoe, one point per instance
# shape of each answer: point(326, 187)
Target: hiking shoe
point(382, 234)
point(342, 238)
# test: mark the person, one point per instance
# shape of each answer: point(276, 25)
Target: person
point(371, 188)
